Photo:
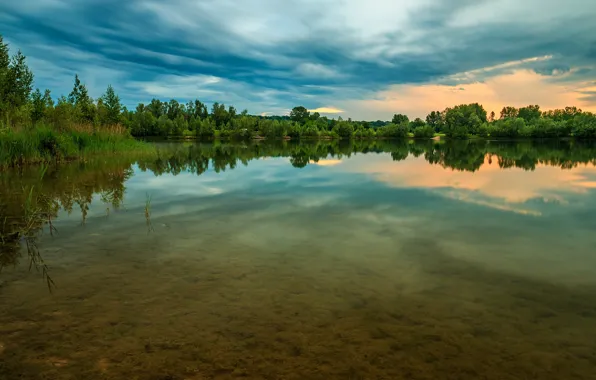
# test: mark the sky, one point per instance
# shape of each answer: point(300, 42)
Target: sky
point(361, 59)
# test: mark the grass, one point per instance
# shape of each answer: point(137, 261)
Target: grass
point(43, 143)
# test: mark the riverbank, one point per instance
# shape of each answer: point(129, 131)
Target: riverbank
point(46, 144)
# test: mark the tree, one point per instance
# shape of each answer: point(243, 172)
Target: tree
point(491, 118)
point(231, 113)
point(435, 120)
point(299, 114)
point(16, 80)
point(464, 119)
point(157, 108)
point(509, 112)
point(112, 105)
point(219, 114)
point(38, 106)
point(173, 109)
point(82, 102)
point(74, 96)
point(400, 118)
point(21, 81)
point(529, 113)
point(344, 129)
point(417, 123)
point(47, 99)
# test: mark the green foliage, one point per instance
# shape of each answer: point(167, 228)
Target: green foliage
point(45, 144)
point(484, 130)
point(165, 126)
point(310, 132)
point(344, 129)
point(399, 119)
point(417, 123)
point(82, 102)
point(113, 107)
point(584, 126)
point(16, 82)
point(393, 131)
point(273, 129)
point(219, 114)
point(299, 114)
point(424, 132)
point(509, 128)
point(529, 113)
point(205, 129)
point(464, 120)
point(294, 131)
point(436, 120)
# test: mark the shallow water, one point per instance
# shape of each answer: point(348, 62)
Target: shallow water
point(312, 261)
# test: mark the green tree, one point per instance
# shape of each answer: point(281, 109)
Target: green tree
point(344, 129)
point(82, 102)
point(173, 109)
point(16, 81)
point(157, 108)
point(464, 120)
point(424, 132)
point(399, 119)
point(509, 112)
point(112, 105)
point(435, 120)
point(299, 114)
point(38, 106)
point(417, 123)
point(529, 113)
point(219, 114)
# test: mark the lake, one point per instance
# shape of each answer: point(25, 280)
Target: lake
point(323, 260)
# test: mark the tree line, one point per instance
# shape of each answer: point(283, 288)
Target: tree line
point(20, 105)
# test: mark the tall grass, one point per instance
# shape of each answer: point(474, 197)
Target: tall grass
point(43, 143)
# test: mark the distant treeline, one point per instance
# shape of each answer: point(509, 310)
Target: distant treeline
point(21, 106)
point(468, 155)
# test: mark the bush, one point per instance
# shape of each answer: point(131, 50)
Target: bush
point(392, 131)
point(584, 126)
point(424, 132)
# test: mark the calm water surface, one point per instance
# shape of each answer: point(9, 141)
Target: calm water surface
point(312, 261)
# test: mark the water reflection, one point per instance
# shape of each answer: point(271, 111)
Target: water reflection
point(31, 198)
point(313, 260)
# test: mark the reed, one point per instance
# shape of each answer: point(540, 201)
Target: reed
point(44, 143)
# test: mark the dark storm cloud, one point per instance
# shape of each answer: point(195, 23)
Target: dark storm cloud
point(269, 56)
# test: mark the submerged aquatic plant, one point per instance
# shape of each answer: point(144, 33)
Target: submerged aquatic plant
point(37, 211)
point(148, 213)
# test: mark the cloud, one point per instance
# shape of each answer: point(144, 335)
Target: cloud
point(327, 110)
point(270, 55)
point(489, 186)
point(519, 88)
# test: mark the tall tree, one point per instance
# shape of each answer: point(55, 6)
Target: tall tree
point(529, 113)
point(219, 114)
point(400, 118)
point(38, 106)
point(82, 102)
point(16, 80)
point(509, 112)
point(299, 114)
point(435, 120)
point(157, 108)
point(112, 105)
